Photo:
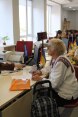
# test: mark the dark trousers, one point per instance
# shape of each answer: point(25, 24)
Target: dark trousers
point(59, 100)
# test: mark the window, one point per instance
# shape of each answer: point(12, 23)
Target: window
point(49, 19)
point(29, 17)
point(22, 19)
point(25, 18)
point(53, 18)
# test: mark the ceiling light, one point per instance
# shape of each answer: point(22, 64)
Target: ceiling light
point(70, 7)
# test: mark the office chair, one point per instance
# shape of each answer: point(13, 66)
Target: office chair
point(20, 46)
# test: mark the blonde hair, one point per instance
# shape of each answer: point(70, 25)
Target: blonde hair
point(57, 45)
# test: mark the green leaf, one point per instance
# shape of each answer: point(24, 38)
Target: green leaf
point(5, 38)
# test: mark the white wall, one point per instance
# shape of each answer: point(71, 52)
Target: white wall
point(72, 19)
point(64, 15)
point(38, 17)
point(76, 20)
point(71, 16)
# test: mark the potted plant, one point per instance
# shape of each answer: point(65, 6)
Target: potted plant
point(5, 38)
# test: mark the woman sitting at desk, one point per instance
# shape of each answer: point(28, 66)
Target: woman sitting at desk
point(10, 66)
point(61, 74)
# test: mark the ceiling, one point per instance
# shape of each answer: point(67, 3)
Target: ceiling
point(68, 4)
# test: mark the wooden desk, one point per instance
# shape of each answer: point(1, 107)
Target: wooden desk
point(7, 47)
point(14, 103)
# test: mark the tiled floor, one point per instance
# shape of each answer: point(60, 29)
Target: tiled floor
point(68, 112)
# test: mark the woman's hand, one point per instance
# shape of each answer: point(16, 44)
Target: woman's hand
point(36, 78)
point(38, 72)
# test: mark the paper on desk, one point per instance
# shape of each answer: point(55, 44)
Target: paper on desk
point(19, 84)
point(5, 72)
point(22, 76)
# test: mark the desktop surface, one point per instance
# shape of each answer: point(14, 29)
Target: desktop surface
point(6, 95)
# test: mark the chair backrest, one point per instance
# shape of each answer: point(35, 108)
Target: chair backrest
point(20, 46)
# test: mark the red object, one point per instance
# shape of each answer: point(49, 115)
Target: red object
point(20, 46)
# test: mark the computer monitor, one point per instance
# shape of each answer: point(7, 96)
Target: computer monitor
point(42, 36)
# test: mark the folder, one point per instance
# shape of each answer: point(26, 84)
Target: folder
point(19, 84)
